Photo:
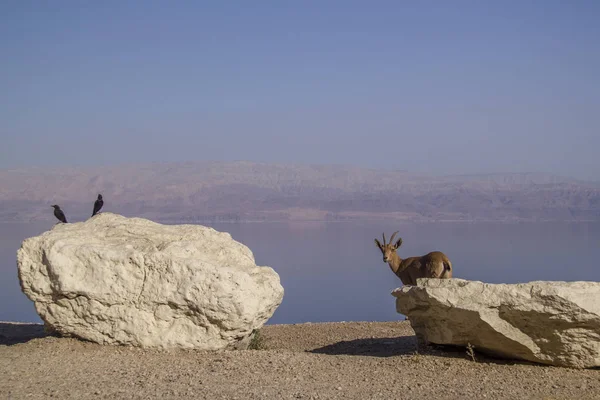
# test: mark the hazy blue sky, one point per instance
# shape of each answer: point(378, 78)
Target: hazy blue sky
point(428, 86)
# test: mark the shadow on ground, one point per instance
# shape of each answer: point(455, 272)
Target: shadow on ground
point(407, 345)
point(14, 333)
point(378, 347)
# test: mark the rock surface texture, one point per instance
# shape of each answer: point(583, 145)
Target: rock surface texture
point(555, 323)
point(131, 281)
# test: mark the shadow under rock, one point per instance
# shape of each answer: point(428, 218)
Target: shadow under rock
point(14, 332)
point(407, 345)
point(377, 347)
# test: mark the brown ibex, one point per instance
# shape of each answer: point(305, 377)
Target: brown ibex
point(431, 265)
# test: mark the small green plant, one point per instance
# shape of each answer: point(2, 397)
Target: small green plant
point(257, 342)
point(471, 351)
point(416, 357)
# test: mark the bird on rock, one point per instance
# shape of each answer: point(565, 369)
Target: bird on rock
point(58, 213)
point(98, 205)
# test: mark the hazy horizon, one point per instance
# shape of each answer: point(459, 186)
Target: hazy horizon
point(440, 174)
point(432, 88)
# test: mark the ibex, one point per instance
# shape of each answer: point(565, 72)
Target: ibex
point(431, 265)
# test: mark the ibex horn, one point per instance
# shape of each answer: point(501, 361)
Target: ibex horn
point(392, 238)
point(383, 238)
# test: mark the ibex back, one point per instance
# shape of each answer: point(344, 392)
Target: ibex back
point(431, 265)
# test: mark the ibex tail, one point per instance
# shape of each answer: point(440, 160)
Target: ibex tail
point(447, 272)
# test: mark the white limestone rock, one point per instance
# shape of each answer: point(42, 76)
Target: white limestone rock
point(555, 323)
point(131, 281)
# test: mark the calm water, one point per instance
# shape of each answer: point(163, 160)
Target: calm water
point(334, 272)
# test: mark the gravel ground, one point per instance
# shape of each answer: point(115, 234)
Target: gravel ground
point(353, 360)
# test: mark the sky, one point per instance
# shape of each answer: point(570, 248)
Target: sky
point(431, 86)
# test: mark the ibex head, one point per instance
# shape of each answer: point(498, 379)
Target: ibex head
point(389, 249)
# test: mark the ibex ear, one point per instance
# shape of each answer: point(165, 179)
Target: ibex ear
point(378, 244)
point(398, 243)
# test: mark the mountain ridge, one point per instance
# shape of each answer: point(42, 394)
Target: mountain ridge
point(248, 191)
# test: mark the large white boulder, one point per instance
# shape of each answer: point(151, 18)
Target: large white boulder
point(554, 323)
point(118, 280)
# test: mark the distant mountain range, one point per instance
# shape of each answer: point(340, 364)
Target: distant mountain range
point(246, 191)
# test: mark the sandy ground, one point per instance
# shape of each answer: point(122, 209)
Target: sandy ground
point(355, 360)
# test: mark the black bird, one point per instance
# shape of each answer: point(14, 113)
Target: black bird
point(59, 214)
point(98, 205)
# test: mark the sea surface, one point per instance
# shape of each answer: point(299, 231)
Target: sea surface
point(334, 272)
